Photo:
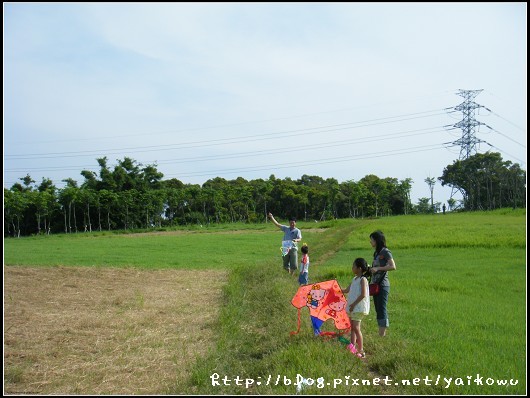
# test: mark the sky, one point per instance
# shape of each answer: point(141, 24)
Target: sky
point(205, 90)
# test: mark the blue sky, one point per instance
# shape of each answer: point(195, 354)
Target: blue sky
point(204, 90)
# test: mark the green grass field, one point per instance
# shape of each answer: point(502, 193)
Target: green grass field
point(457, 304)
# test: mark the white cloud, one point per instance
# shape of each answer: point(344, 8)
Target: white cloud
point(133, 74)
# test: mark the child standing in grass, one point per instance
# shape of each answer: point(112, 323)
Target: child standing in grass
point(304, 266)
point(358, 305)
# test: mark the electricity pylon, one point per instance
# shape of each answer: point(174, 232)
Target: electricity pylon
point(467, 124)
point(468, 141)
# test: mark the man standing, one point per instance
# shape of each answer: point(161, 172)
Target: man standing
point(291, 236)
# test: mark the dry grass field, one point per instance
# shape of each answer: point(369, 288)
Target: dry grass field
point(79, 330)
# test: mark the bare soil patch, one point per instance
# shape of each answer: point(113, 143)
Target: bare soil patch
point(77, 330)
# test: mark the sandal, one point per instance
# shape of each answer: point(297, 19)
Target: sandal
point(361, 354)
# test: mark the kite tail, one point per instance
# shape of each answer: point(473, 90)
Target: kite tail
point(298, 324)
point(335, 334)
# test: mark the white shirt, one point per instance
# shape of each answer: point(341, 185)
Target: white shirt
point(304, 265)
point(355, 291)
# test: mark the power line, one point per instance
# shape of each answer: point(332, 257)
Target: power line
point(226, 141)
point(316, 147)
point(276, 166)
point(505, 136)
point(392, 152)
point(322, 130)
point(183, 130)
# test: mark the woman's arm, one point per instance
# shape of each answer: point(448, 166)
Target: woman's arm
point(390, 266)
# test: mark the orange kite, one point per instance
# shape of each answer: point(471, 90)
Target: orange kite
point(324, 300)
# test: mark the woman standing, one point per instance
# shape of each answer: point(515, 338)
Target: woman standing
point(383, 262)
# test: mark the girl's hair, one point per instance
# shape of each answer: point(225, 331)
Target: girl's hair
point(361, 263)
point(305, 249)
point(380, 240)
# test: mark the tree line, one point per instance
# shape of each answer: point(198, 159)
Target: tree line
point(132, 196)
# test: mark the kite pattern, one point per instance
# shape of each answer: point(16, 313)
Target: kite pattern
point(325, 301)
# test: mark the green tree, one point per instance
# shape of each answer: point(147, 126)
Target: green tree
point(431, 181)
point(404, 188)
point(423, 206)
point(261, 190)
point(87, 197)
point(374, 186)
point(106, 176)
point(107, 201)
point(67, 198)
point(151, 178)
point(47, 203)
point(486, 181)
point(313, 196)
point(153, 202)
point(15, 205)
point(451, 202)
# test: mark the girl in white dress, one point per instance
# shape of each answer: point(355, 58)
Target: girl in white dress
point(358, 305)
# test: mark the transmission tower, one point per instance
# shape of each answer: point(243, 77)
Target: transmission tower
point(468, 123)
point(468, 141)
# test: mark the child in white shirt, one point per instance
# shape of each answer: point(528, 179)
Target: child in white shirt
point(304, 266)
point(358, 304)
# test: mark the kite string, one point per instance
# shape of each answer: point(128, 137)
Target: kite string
point(298, 324)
